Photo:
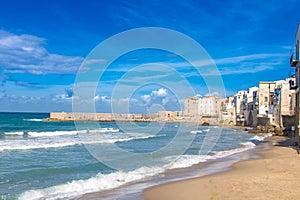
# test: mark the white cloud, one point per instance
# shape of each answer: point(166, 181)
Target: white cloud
point(159, 96)
point(27, 54)
point(244, 64)
point(165, 101)
point(105, 99)
point(249, 57)
point(160, 93)
point(146, 98)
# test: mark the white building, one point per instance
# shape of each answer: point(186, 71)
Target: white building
point(211, 106)
point(191, 107)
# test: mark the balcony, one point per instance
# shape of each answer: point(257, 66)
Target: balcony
point(293, 63)
point(293, 85)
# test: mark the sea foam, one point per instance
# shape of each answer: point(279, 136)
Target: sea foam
point(97, 183)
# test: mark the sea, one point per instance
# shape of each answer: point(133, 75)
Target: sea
point(67, 160)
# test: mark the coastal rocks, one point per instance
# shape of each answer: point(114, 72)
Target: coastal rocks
point(267, 129)
point(205, 124)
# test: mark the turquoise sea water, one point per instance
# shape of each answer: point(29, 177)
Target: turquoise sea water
point(53, 160)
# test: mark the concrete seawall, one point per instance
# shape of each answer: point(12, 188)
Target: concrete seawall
point(97, 117)
point(111, 117)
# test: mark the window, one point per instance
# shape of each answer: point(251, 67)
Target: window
point(266, 99)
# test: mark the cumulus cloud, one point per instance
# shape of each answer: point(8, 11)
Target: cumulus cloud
point(27, 54)
point(146, 98)
point(156, 96)
point(160, 93)
point(104, 99)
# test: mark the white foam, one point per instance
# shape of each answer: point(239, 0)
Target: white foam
point(67, 140)
point(207, 130)
point(37, 146)
point(18, 133)
point(184, 161)
point(60, 133)
point(95, 184)
point(245, 146)
point(261, 137)
point(51, 133)
point(195, 132)
point(33, 120)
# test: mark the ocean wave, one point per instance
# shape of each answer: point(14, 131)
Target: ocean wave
point(97, 183)
point(184, 161)
point(244, 147)
point(33, 120)
point(195, 132)
point(60, 133)
point(27, 146)
point(18, 133)
point(44, 143)
point(261, 137)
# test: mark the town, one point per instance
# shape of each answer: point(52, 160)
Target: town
point(270, 106)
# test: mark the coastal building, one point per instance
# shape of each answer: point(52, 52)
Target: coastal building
point(228, 116)
point(266, 92)
point(250, 106)
point(294, 62)
point(239, 103)
point(284, 105)
point(211, 106)
point(191, 107)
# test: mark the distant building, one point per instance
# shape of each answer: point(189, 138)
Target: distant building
point(266, 91)
point(211, 106)
point(191, 107)
point(229, 115)
point(170, 115)
point(239, 107)
point(250, 106)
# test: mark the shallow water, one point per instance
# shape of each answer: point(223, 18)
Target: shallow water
point(52, 160)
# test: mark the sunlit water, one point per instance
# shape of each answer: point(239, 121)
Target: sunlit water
point(53, 160)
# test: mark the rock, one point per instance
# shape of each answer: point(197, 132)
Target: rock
point(205, 124)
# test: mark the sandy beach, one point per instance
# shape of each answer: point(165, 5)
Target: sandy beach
point(274, 176)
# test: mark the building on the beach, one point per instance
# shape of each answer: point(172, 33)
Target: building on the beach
point(191, 107)
point(208, 109)
point(272, 104)
point(211, 106)
point(294, 62)
point(239, 107)
point(284, 105)
point(228, 116)
point(211, 109)
point(266, 92)
point(251, 104)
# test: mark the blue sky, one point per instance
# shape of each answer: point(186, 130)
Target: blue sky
point(43, 44)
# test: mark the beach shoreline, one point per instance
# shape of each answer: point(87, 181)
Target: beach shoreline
point(134, 190)
point(273, 176)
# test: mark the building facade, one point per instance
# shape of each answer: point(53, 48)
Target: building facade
point(191, 107)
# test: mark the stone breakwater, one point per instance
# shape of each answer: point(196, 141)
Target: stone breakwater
point(111, 117)
point(100, 117)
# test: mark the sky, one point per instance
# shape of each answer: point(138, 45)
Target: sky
point(46, 45)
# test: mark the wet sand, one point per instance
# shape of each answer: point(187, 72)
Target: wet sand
point(274, 176)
